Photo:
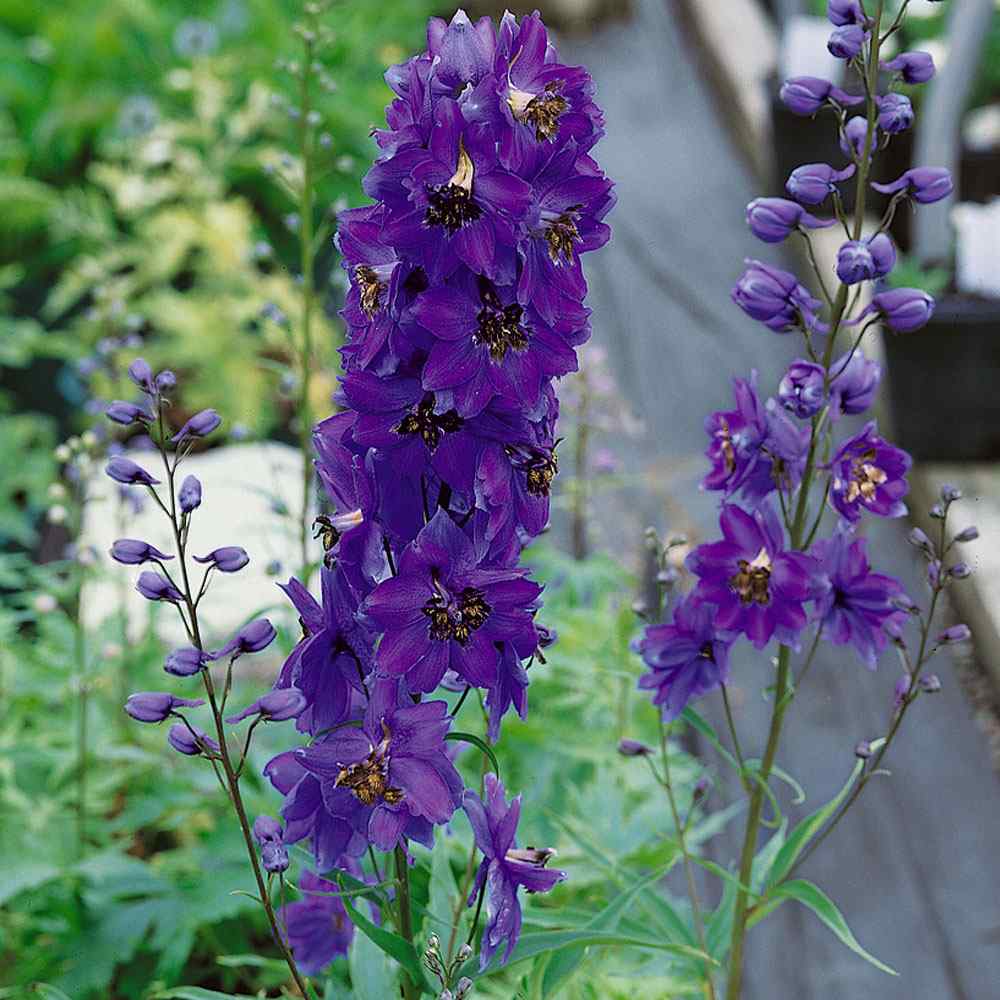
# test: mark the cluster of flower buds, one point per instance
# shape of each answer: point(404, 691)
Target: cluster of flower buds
point(769, 577)
point(465, 302)
point(445, 970)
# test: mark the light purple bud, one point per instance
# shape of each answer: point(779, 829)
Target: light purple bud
point(124, 470)
point(228, 559)
point(190, 744)
point(166, 381)
point(950, 493)
point(901, 690)
point(155, 706)
point(841, 12)
point(126, 413)
point(883, 253)
point(960, 571)
point(812, 183)
point(918, 539)
point(852, 142)
point(931, 684)
point(955, 634)
point(269, 835)
point(633, 748)
point(184, 662)
point(252, 638)
point(275, 706)
point(266, 828)
point(895, 113)
point(773, 219)
point(847, 41)
point(934, 573)
point(914, 67)
point(155, 587)
point(805, 95)
point(853, 384)
point(801, 390)
point(142, 375)
point(924, 185)
point(134, 552)
point(863, 750)
point(903, 309)
point(189, 495)
point(855, 263)
point(969, 534)
point(200, 425)
point(937, 512)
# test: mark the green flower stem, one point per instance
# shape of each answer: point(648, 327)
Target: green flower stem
point(82, 737)
point(405, 918)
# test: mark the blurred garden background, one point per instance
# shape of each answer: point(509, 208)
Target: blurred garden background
point(154, 172)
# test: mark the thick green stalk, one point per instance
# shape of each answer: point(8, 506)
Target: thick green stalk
point(410, 989)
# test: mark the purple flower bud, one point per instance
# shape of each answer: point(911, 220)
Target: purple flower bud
point(775, 298)
point(189, 495)
point(142, 375)
point(155, 706)
point(155, 587)
point(252, 638)
point(960, 571)
point(855, 262)
point(185, 662)
point(812, 183)
point(773, 219)
point(228, 559)
point(852, 142)
point(937, 512)
point(895, 113)
point(124, 470)
point(931, 684)
point(200, 425)
point(955, 634)
point(847, 41)
point(950, 493)
point(901, 690)
point(546, 635)
point(914, 67)
point(969, 534)
point(918, 539)
point(863, 750)
point(841, 12)
point(924, 185)
point(189, 743)
point(166, 381)
point(133, 552)
point(633, 748)
point(805, 95)
point(268, 833)
point(853, 383)
point(903, 602)
point(275, 706)
point(883, 252)
point(934, 573)
point(126, 413)
point(903, 309)
point(801, 390)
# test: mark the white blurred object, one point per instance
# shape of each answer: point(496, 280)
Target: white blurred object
point(981, 128)
point(804, 51)
point(977, 254)
point(242, 485)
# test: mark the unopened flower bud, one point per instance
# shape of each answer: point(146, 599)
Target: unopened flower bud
point(57, 514)
point(924, 185)
point(813, 183)
point(142, 375)
point(954, 635)
point(126, 413)
point(154, 587)
point(901, 690)
point(847, 41)
point(895, 113)
point(969, 534)
point(434, 943)
point(228, 559)
point(918, 539)
point(200, 425)
point(931, 684)
point(913, 67)
point(189, 743)
point(464, 988)
point(937, 512)
point(189, 495)
point(269, 835)
point(275, 706)
point(166, 381)
point(950, 493)
point(252, 638)
point(855, 135)
point(62, 453)
point(774, 219)
point(805, 95)
point(903, 310)
point(842, 12)
point(135, 552)
point(960, 571)
point(633, 748)
point(124, 470)
point(700, 790)
point(155, 706)
point(184, 662)
point(863, 750)
point(465, 953)
point(56, 491)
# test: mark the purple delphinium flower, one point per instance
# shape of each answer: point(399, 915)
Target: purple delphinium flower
point(124, 470)
point(868, 474)
point(774, 219)
point(155, 587)
point(155, 706)
point(855, 605)
point(190, 740)
point(805, 95)
point(913, 67)
point(319, 929)
point(185, 662)
point(902, 309)
point(228, 559)
point(757, 585)
point(256, 635)
point(200, 425)
point(841, 12)
point(444, 611)
point(142, 375)
point(854, 137)
point(126, 413)
point(847, 41)
point(925, 185)
point(801, 390)
point(895, 113)
point(275, 706)
point(189, 495)
point(865, 260)
point(392, 769)
point(268, 833)
point(686, 658)
point(505, 868)
point(853, 383)
point(813, 183)
point(775, 298)
point(135, 552)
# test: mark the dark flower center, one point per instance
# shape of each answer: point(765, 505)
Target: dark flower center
point(540, 467)
point(541, 111)
point(450, 206)
point(866, 477)
point(369, 778)
point(725, 439)
point(500, 327)
point(752, 581)
point(561, 233)
point(707, 652)
point(370, 287)
point(456, 619)
point(429, 425)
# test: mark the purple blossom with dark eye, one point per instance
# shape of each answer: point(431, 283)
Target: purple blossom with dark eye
point(134, 552)
point(127, 413)
point(251, 638)
point(856, 605)
point(155, 587)
point(758, 587)
point(318, 927)
point(775, 298)
point(841, 12)
point(155, 706)
point(847, 41)
point(924, 185)
point(200, 425)
point(445, 611)
point(853, 383)
point(813, 183)
point(913, 67)
point(868, 474)
point(185, 662)
point(895, 113)
point(805, 95)
point(275, 706)
point(189, 495)
point(268, 833)
point(392, 770)
point(854, 137)
point(124, 470)
point(505, 867)
point(142, 375)
point(228, 559)
point(774, 219)
point(190, 740)
point(802, 390)
point(335, 655)
point(686, 658)
point(903, 310)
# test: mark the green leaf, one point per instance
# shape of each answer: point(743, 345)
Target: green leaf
point(253, 961)
point(373, 975)
point(47, 992)
point(813, 897)
point(392, 944)
point(27, 875)
point(698, 722)
point(197, 993)
point(478, 742)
